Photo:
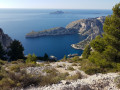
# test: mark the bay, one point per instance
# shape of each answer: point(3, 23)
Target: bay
point(18, 22)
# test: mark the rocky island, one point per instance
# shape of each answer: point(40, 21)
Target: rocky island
point(57, 12)
point(90, 27)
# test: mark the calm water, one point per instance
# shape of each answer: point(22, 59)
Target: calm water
point(16, 23)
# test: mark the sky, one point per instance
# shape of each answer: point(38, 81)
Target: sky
point(59, 4)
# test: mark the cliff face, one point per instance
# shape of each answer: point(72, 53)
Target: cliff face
point(87, 27)
point(4, 39)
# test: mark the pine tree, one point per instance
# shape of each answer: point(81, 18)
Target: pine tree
point(46, 56)
point(2, 52)
point(86, 52)
point(16, 50)
point(108, 46)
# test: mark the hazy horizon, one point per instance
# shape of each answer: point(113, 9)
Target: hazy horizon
point(58, 4)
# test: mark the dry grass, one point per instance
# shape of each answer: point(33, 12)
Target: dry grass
point(74, 77)
point(71, 68)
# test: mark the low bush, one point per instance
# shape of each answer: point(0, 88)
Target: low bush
point(18, 61)
point(2, 62)
point(75, 77)
point(74, 64)
point(15, 68)
point(117, 81)
point(71, 68)
point(1, 76)
point(50, 70)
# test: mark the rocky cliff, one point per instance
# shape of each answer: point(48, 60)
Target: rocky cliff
point(5, 40)
point(86, 27)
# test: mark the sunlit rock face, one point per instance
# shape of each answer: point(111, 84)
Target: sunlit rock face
point(5, 40)
point(87, 27)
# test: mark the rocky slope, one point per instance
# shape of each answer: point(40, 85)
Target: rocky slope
point(94, 82)
point(4, 39)
point(86, 27)
point(89, 27)
point(87, 82)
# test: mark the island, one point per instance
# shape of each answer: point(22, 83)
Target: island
point(57, 12)
point(90, 28)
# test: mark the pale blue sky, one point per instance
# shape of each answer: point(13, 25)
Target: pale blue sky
point(59, 4)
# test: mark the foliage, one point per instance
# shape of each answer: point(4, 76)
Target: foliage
point(2, 52)
point(31, 58)
point(51, 70)
point(46, 57)
point(74, 64)
point(117, 81)
point(74, 77)
point(75, 58)
point(65, 57)
point(16, 50)
point(86, 52)
point(106, 48)
point(2, 62)
point(98, 44)
point(71, 68)
point(15, 68)
point(18, 61)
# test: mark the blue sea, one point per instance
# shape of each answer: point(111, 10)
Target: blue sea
point(18, 22)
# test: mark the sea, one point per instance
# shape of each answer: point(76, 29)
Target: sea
point(18, 22)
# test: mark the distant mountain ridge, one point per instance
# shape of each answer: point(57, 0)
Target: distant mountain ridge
point(90, 27)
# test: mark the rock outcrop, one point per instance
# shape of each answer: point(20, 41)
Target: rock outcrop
point(5, 40)
point(86, 27)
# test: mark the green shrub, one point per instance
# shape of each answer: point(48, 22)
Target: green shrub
point(2, 62)
point(74, 77)
point(31, 58)
point(92, 71)
point(15, 68)
point(18, 61)
point(71, 68)
point(74, 64)
point(117, 81)
point(75, 58)
point(6, 84)
point(1, 76)
point(86, 52)
point(50, 70)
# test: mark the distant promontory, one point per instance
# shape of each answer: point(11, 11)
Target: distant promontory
point(86, 27)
